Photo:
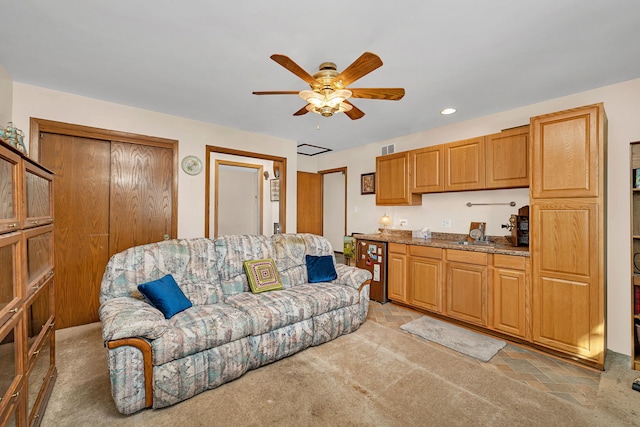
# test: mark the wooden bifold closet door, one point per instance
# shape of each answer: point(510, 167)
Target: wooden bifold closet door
point(109, 196)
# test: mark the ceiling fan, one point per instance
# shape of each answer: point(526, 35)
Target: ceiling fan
point(329, 93)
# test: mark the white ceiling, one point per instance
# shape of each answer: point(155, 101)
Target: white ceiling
point(201, 59)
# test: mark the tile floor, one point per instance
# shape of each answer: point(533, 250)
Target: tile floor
point(563, 379)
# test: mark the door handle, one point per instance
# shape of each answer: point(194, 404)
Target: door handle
point(165, 237)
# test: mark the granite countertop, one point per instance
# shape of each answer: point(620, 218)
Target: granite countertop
point(499, 245)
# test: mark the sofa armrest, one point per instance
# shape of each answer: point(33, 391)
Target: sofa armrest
point(351, 276)
point(126, 317)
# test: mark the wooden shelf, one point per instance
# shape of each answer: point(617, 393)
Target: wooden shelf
point(636, 279)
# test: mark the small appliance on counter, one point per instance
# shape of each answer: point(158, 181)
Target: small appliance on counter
point(520, 227)
point(372, 256)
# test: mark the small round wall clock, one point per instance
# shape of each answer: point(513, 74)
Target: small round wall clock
point(192, 165)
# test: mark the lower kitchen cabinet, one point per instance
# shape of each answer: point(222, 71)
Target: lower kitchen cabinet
point(466, 286)
point(397, 272)
point(425, 277)
point(509, 295)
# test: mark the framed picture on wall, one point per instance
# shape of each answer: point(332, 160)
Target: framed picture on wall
point(368, 183)
point(275, 190)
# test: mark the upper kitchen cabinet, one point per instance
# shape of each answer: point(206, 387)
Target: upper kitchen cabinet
point(566, 148)
point(464, 165)
point(426, 168)
point(507, 158)
point(392, 181)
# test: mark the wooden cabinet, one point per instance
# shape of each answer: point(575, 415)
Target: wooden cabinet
point(466, 286)
point(27, 338)
point(509, 295)
point(567, 232)
point(464, 165)
point(425, 277)
point(426, 168)
point(635, 254)
point(507, 158)
point(397, 272)
point(393, 179)
point(567, 150)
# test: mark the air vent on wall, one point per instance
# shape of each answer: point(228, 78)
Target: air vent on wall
point(388, 149)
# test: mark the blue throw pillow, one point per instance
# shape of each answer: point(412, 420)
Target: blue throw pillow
point(165, 295)
point(320, 268)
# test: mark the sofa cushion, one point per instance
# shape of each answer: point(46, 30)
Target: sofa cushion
point(320, 268)
point(290, 251)
point(165, 295)
point(324, 297)
point(231, 252)
point(199, 328)
point(262, 275)
point(271, 310)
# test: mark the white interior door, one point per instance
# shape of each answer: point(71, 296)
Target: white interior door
point(333, 219)
point(238, 198)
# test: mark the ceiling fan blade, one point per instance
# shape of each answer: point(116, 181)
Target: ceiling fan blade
point(288, 63)
point(302, 111)
point(392, 94)
point(355, 113)
point(359, 68)
point(277, 92)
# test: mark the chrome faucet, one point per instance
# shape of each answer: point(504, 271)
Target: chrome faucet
point(482, 236)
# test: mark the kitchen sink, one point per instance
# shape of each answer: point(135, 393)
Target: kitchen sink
point(474, 243)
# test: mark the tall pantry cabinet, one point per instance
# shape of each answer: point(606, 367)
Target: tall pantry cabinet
point(568, 231)
point(27, 336)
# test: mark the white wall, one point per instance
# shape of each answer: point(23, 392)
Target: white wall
point(193, 136)
point(6, 99)
point(622, 105)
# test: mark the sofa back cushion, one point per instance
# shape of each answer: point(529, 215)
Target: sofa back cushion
point(231, 252)
point(191, 262)
point(290, 251)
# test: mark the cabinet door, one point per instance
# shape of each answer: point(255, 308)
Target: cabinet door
point(568, 288)
point(509, 302)
point(566, 148)
point(10, 191)
point(464, 165)
point(425, 283)
point(426, 168)
point(10, 276)
point(392, 181)
point(38, 195)
point(397, 277)
point(12, 362)
point(466, 289)
point(507, 158)
point(40, 378)
point(38, 246)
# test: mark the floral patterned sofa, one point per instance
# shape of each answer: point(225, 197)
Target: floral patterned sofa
point(157, 362)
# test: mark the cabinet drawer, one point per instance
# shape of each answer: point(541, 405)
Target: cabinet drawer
point(425, 251)
point(468, 257)
point(509, 261)
point(397, 248)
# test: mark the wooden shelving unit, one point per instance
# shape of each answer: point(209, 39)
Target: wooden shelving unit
point(635, 253)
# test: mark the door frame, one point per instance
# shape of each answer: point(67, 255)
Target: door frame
point(259, 169)
point(334, 170)
point(279, 163)
point(38, 125)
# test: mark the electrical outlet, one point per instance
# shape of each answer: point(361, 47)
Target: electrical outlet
point(402, 222)
point(446, 223)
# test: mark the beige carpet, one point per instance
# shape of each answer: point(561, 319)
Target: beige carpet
point(377, 376)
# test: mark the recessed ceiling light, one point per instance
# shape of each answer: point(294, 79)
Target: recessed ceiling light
point(448, 111)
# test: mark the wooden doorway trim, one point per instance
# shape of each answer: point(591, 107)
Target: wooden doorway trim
point(344, 172)
point(279, 163)
point(259, 169)
point(49, 126)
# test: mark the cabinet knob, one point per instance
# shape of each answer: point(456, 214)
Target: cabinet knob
point(37, 352)
point(12, 226)
point(16, 394)
point(13, 310)
point(34, 222)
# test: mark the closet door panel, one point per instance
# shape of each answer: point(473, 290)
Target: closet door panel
point(81, 205)
point(141, 195)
